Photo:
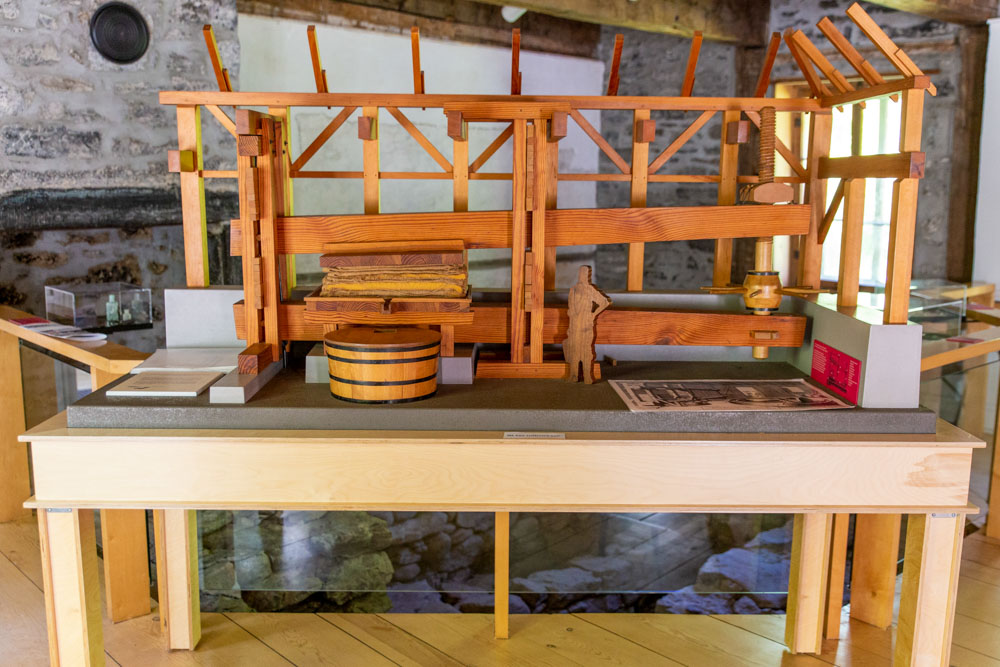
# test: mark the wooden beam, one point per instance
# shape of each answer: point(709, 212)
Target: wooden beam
point(564, 227)
point(319, 74)
point(895, 55)
point(688, 86)
point(322, 138)
point(501, 575)
point(491, 324)
point(850, 243)
point(539, 203)
point(764, 80)
point(418, 74)
point(810, 249)
point(966, 129)
point(888, 89)
point(515, 62)
point(737, 21)
point(460, 102)
point(420, 138)
point(807, 583)
point(637, 197)
point(896, 165)
point(193, 198)
point(494, 146)
point(809, 50)
point(682, 139)
point(953, 11)
point(370, 159)
point(601, 142)
point(864, 68)
point(16, 486)
point(221, 76)
point(519, 240)
point(616, 59)
point(729, 155)
point(452, 20)
point(831, 212)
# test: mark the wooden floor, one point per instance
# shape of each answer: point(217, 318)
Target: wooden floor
point(262, 640)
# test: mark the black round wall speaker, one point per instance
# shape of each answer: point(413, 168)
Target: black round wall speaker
point(119, 32)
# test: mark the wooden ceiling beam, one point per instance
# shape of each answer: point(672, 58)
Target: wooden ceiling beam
point(969, 12)
point(457, 20)
point(737, 21)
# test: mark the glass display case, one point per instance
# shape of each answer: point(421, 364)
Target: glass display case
point(103, 307)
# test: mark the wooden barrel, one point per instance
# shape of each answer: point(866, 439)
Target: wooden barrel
point(382, 365)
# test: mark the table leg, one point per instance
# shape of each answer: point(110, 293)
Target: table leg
point(72, 591)
point(993, 511)
point(126, 549)
point(930, 582)
point(176, 542)
point(873, 570)
point(835, 576)
point(501, 575)
point(14, 482)
point(807, 583)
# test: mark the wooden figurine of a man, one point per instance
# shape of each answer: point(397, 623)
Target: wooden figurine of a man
point(586, 302)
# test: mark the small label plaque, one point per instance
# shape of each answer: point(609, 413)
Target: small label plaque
point(533, 435)
point(838, 372)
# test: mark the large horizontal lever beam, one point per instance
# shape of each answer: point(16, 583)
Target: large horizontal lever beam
point(563, 227)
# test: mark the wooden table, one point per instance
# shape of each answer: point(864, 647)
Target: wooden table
point(126, 559)
point(178, 471)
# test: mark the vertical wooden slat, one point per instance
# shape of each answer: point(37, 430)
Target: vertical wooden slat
point(873, 568)
point(539, 204)
point(520, 224)
point(810, 249)
point(729, 155)
point(930, 583)
point(835, 576)
point(993, 513)
point(247, 176)
point(180, 554)
point(193, 198)
point(850, 243)
point(551, 202)
point(637, 198)
point(371, 164)
point(460, 174)
point(902, 224)
point(269, 201)
point(807, 583)
point(72, 593)
point(286, 191)
point(16, 485)
point(501, 575)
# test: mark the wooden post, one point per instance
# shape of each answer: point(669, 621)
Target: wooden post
point(126, 548)
point(193, 198)
point(930, 583)
point(835, 576)
point(520, 224)
point(269, 205)
point(15, 485)
point(460, 172)
point(640, 178)
point(722, 272)
point(370, 155)
point(807, 582)
point(286, 190)
point(850, 243)
point(902, 225)
point(873, 570)
point(810, 249)
point(72, 593)
point(551, 202)
point(177, 576)
point(249, 146)
point(993, 512)
point(539, 202)
point(501, 575)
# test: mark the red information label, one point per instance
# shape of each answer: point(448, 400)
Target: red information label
point(836, 371)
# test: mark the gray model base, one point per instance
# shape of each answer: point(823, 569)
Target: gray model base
point(287, 402)
point(240, 388)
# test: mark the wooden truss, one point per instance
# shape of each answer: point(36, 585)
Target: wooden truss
point(268, 233)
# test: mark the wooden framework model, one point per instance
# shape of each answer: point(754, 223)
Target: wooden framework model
point(268, 232)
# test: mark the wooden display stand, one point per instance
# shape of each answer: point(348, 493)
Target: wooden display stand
point(684, 476)
point(123, 532)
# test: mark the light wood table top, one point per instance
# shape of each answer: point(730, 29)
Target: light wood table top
point(102, 355)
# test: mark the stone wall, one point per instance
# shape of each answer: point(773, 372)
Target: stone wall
point(655, 64)
point(85, 195)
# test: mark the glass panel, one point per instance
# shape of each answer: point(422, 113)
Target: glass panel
point(443, 562)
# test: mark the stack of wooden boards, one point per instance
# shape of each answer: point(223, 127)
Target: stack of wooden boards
point(433, 269)
point(397, 282)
